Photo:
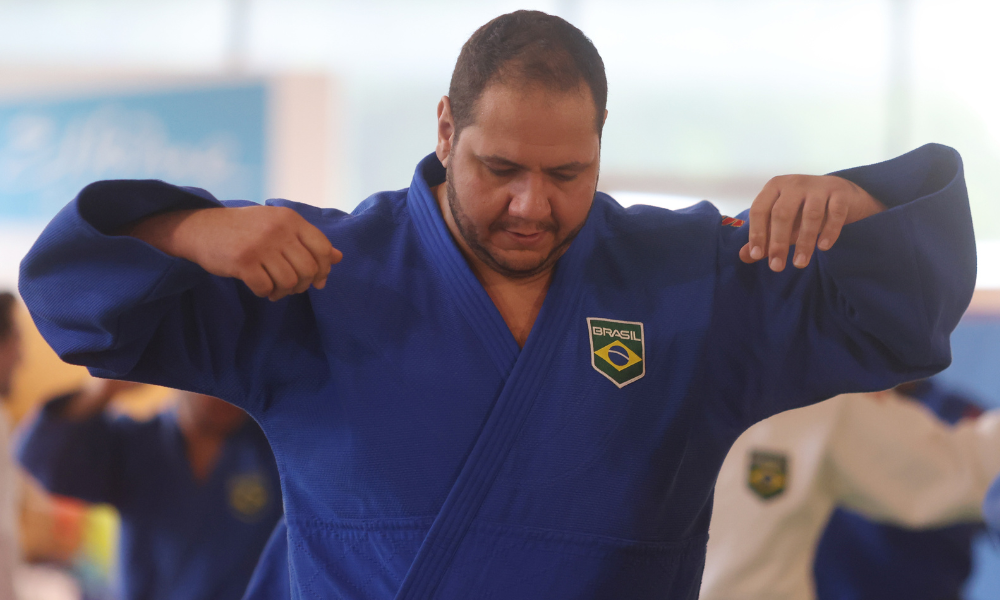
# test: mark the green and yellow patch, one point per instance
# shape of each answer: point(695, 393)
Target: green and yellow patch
point(617, 350)
point(768, 476)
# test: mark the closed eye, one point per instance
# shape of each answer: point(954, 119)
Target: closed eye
point(564, 176)
point(502, 172)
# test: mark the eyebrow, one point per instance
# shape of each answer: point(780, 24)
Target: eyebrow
point(493, 158)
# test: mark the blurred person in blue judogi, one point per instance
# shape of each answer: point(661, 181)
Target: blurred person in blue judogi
point(197, 487)
point(991, 509)
point(880, 454)
point(271, 579)
point(859, 559)
point(10, 356)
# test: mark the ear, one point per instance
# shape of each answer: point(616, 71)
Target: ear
point(605, 116)
point(446, 131)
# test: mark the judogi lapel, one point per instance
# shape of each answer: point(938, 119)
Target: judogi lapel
point(524, 370)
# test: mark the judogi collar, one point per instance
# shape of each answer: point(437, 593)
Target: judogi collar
point(523, 369)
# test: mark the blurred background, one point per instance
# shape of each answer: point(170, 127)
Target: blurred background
point(326, 102)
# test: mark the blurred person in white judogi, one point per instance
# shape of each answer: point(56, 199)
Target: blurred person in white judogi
point(10, 356)
point(880, 454)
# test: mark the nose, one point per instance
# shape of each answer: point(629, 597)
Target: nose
point(530, 198)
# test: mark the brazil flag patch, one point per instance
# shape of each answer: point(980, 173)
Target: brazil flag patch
point(617, 349)
point(768, 474)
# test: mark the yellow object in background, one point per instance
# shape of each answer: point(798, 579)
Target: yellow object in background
point(99, 541)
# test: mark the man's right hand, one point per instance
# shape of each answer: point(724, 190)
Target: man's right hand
point(272, 249)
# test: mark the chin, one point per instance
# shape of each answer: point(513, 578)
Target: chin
point(518, 261)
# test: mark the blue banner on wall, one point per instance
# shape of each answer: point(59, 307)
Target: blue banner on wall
point(208, 137)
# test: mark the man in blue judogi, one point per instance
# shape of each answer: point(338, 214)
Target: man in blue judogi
point(511, 386)
point(271, 579)
point(196, 487)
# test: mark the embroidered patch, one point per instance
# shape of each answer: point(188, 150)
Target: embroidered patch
point(768, 475)
point(248, 496)
point(737, 223)
point(617, 349)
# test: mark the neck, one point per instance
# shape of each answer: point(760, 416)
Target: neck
point(203, 445)
point(518, 299)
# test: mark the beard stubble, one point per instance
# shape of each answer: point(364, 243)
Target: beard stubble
point(468, 232)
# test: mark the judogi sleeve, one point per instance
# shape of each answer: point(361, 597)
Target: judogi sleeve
point(893, 460)
point(875, 310)
point(129, 311)
point(82, 459)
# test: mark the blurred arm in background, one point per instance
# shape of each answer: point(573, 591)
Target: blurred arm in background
point(74, 449)
point(879, 454)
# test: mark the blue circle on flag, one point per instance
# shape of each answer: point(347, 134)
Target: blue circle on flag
point(618, 356)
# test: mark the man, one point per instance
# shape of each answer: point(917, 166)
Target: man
point(512, 386)
point(858, 559)
point(196, 487)
point(880, 454)
point(10, 356)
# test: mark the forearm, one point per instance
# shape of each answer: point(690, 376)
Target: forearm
point(171, 233)
point(866, 206)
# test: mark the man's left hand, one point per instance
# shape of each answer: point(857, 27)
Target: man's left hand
point(799, 210)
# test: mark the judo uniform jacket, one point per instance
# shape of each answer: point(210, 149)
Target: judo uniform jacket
point(858, 559)
point(881, 455)
point(180, 537)
point(425, 455)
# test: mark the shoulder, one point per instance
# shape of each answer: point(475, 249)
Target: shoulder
point(149, 433)
point(655, 227)
point(647, 236)
point(641, 219)
point(381, 247)
point(372, 224)
point(819, 416)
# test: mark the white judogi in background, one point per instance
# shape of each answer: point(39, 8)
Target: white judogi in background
point(881, 455)
point(10, 552)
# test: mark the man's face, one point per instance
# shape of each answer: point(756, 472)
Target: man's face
point(521, 179)
point(10, 356)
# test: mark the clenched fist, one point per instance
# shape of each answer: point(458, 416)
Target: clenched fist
point(271, 249)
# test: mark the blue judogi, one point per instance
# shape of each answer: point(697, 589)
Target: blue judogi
point(180, 537)
point(271, 580)
point(858, 559)
point(991, 508)
point(423, 454)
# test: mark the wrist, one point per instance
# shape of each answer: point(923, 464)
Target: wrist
point(174, 233)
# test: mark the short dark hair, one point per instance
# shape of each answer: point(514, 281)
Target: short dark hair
point(7, 302)
point(526, 46)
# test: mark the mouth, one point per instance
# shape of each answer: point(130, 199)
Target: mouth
point(525, 239)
